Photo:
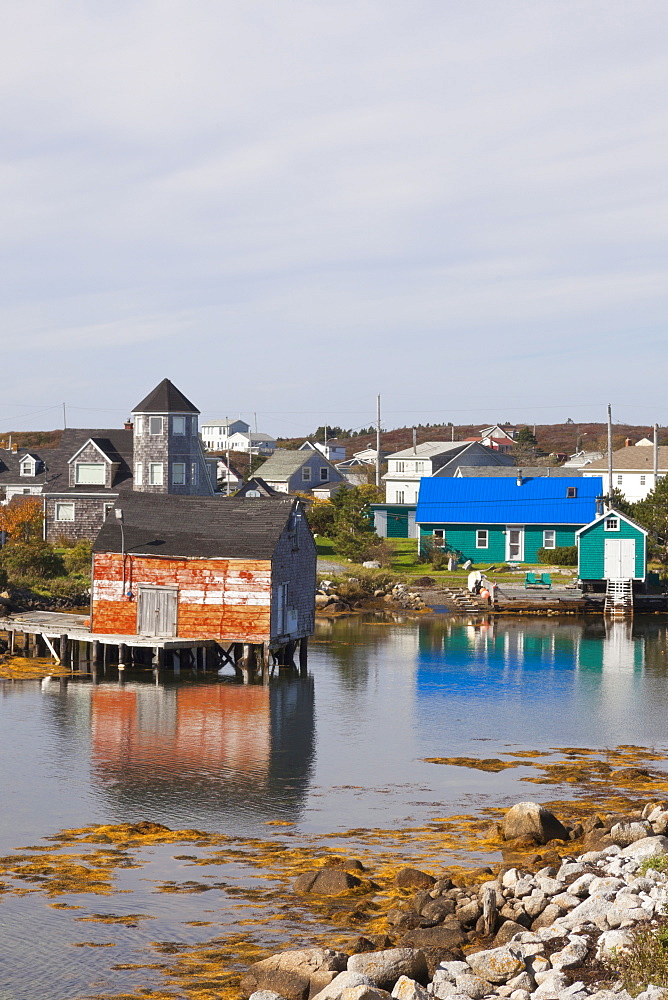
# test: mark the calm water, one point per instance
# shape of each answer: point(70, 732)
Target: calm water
point(343, 748)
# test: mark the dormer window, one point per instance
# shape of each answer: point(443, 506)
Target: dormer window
point(90, 474)
point(179, 425)
point(28, 467)
point(155, 425)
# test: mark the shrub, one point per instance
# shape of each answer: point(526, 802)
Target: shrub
point(77, 559)
point(34, 559)
point(564, 555)
point(362, 585)
point(659, 862)
point(646, 960)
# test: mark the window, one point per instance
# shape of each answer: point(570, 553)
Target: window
point(323, 474)
point(179, 425)
point(194, 474)
point(439, 537)
point(64, 512)
point(571, 491)
point(90, 473)
point(106, 510)
point(399, 466)
point(642, 480)
point(306, 474)
point(481, 538)
point(27, 467)
point(619, 480)
point(400, 496)
point(155, 425)
point(178, 473)
point(549, 538)
point(155, 473)
point(139, 473)
point(138, 425)
point(26, 491)
point(253, 493)
point(419, 466)
point(612, 524)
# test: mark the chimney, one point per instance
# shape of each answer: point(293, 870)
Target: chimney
point(628, 443)
point(519, 477)
point(128, 425)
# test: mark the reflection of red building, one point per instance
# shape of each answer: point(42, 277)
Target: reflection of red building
point(165, 729)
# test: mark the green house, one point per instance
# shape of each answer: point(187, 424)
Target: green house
point(612, 547)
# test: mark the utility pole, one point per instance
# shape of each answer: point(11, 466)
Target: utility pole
point(64, 418)
point(415, 441)
point(609, 455)
point(378, 440)
point(656, 455)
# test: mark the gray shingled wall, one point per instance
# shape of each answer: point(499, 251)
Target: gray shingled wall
point(297, 568)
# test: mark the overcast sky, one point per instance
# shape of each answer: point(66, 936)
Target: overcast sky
point(287, 207)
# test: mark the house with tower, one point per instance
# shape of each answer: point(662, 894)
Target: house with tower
point(158, 451)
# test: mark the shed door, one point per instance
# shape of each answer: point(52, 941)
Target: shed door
point(156, 611)
point(619, 560)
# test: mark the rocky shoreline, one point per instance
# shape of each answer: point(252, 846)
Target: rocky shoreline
point(562, 931)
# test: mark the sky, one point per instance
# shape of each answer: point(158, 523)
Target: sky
point(288, 207)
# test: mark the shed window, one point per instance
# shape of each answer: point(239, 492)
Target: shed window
point(612, 524)
point(155, 425)
point(439, 537)
point(179, 425)
point(571, 491)
point(306, 474)
point(323, 474)
point(481, 538)
point(155, 472)
point(64, 512)
point(549, 538)
point(90, 473)
point(139, 473)
point(179, 473)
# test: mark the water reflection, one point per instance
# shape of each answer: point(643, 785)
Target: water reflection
point(223, 753)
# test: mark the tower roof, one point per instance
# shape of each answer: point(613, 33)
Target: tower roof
point(165, 398)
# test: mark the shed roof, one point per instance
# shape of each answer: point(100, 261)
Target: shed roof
point(636, 458)
point(508, 471)
point(503, 501)
point(196, 527)
point(165, 398)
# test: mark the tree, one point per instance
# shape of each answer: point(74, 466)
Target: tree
point(22, 519)
point(526, 438)
point(353, 534)
point(652, 514)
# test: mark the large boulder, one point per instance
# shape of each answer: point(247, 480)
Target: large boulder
point(626, 832)
point(294, 974)
point(384, 968)
point(326, 881)
point(648, 847)
point(497, 965)
point(413, 878)
point(344, 981)
point(532, 820)
point(449, 935)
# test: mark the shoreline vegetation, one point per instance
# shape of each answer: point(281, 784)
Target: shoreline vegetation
point(439, 893)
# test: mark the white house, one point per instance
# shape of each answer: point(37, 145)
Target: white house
point(632, 469)
point(236, 435)
point(406, 468)
point(333, 452)
point(255, 442)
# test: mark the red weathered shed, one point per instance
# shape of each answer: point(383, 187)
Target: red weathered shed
point(202, 568)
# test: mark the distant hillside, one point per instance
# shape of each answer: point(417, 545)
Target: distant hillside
point(551, 437)
point(31, 439)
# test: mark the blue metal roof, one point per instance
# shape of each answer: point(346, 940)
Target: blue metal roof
point(501, 501)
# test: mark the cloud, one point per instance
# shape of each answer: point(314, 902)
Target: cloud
point(336, 193)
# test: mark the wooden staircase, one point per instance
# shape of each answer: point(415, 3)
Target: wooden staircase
point(619, 598)
point(463, 600)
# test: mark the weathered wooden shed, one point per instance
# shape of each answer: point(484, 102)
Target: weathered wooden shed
point(612, 547)
point(203, 568)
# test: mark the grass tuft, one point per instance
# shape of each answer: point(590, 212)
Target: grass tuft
point(645, 962)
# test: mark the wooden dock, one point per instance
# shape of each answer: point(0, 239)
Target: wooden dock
point(66, 637)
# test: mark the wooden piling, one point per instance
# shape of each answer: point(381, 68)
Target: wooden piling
point(62, 649)
point(96, 652)
point(122, 655)
point(303, 657)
